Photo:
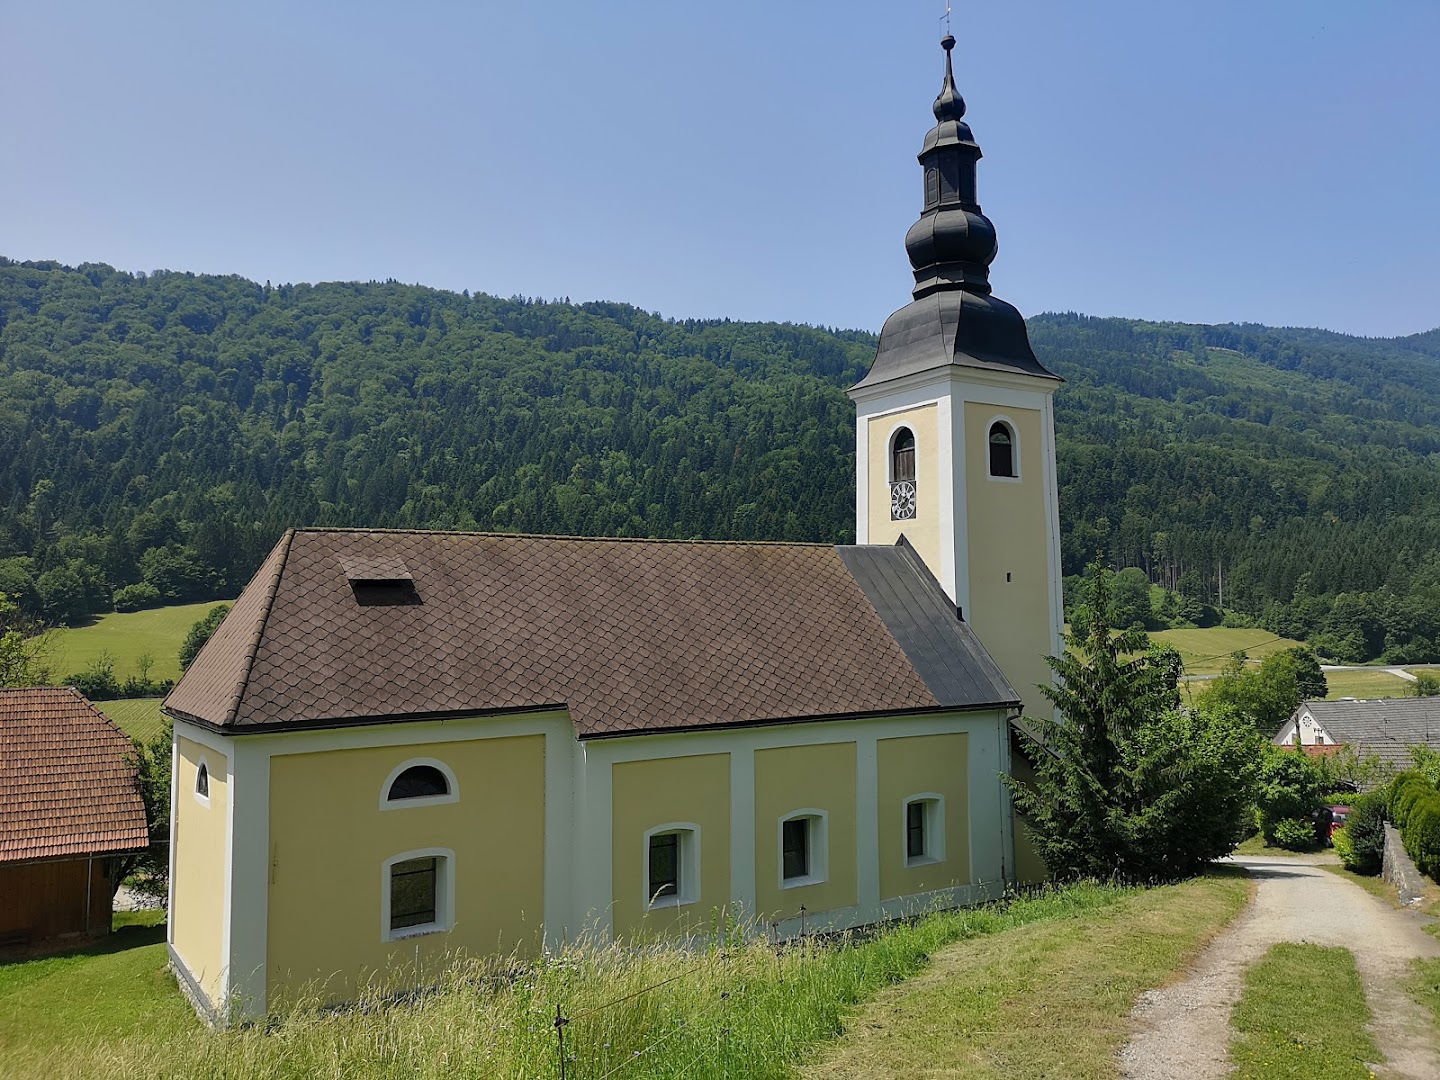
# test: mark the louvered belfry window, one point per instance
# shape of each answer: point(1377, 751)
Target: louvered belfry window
point(903, 456)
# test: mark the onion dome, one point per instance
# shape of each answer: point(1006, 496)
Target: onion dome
point(954, 319)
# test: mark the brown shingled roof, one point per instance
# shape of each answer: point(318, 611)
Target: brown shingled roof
point(67, 786)
point(629, 635)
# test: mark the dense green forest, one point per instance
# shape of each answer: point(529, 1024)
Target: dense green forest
point(160, 431)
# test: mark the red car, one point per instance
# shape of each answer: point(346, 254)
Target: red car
point(1338, 816)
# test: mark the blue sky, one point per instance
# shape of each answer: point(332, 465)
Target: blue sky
point(1274, 161)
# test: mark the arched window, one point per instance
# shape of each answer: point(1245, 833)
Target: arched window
point(1002, 450)
point(924, 829)
point(202, 781)
point(804, 848)
point(417, 893)
point(419, 783)
point(902, 455)
point(672, 865)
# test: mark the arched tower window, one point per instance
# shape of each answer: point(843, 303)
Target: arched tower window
point(902, 475)
point(902, 455)
point(1002, 450)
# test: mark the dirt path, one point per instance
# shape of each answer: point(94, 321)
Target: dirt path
point(1183, 1030)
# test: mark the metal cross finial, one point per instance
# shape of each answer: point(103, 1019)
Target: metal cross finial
point(946, 17)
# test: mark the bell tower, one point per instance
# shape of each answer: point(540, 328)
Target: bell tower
point(955, 431)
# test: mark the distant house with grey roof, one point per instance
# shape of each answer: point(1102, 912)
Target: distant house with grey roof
point(1386, 727)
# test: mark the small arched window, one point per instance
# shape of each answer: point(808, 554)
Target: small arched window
point(902, 456)
point(202, 781)
point(1002, 449)
point(419, 782)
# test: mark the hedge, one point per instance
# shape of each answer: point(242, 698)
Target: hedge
point(1361, 843)
point(1415, 810)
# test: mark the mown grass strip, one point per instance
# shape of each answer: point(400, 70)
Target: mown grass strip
point(1425, 986)
point(1050, 999)
point(744, 1011)
point(1303, 1014)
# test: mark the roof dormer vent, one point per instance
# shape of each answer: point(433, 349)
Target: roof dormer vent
point(379, 581)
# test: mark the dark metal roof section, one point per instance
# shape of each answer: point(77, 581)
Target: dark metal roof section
point(938, 643)
point(954, 319)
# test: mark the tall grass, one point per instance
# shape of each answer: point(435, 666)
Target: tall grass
point(743, 1010)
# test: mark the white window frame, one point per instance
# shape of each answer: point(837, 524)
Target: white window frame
point(1001, 418)
point(689, 859)
point(452, 795)
point(890, 451)
point(819, 834)
point(202, 763)
point(934, 828)
point(444, 894)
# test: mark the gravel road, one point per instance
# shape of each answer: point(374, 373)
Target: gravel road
point(1183, 1030)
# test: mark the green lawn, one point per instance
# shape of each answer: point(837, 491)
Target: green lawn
point(1052, 999)
point(138, 717)
point(1303, 1014)
point(127, 636)
point(1205, 652)
point(1256, 845)
point(1365, 684)
point(117, 990)
point(746, 1010)
point(1425, 986)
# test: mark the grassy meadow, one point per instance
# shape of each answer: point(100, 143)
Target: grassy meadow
point(747, 1010)
point(1365, 684)
point(138, 717)
point(127, 636)
point(1049, 999)
point(1205, 651)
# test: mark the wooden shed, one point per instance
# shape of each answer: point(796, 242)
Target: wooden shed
point(70, 807)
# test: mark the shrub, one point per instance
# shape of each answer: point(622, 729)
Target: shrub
point(1345, 848)
point(135, 597)
point(1294, 834)
point(1426, 684)
point(97, 682)
point(1130, 785)
point(1415, 809)
point(200, 633)
point(1361, 843)
point(1289, 789)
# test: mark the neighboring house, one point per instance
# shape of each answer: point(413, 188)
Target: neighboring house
point(399, 745)
point(1385, 727)
point(69, 806)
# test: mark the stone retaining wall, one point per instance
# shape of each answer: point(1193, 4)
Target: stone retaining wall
point(1400, 870)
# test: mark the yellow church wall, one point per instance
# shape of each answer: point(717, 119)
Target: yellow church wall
point(1029, 867)
point(817, 777)
point(692, 790)
point(197, 901)
point(923, 531)
point(1010, 602)
point(330, 838)
point(916, 765)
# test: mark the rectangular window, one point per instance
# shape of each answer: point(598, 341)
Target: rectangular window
point(795, 848)
point(915, 830)
point(664, 866)
point(414, 888)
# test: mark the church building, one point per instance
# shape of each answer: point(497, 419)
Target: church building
point(402, 745)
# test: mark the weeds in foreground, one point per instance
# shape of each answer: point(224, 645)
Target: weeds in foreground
point(748, 1010)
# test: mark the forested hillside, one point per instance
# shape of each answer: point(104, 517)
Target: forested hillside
point(159, 432)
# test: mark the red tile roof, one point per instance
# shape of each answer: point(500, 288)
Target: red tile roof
point(66, 784)
point(629, 635)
